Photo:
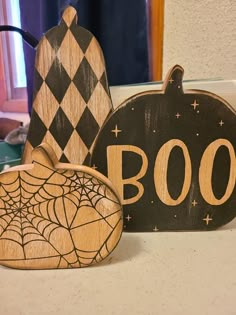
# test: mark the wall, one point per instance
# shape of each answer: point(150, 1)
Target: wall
point(200, 35)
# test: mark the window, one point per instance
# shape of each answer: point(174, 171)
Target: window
point(13, 94)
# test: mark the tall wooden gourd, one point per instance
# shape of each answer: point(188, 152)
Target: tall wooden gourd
point(71, 93)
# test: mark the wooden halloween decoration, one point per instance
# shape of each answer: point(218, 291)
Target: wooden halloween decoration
point(171, 156)
point(56, 215)
point(71, 93)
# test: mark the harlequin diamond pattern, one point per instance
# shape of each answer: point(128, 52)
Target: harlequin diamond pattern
point(104, 83)
point(58, 87)
point(88, 159)
point(85, 87)
point(82, 36)
point(41, 130)
point(38, 81)
point(56, 41)
point(64, 159)
point(87, 124)
point(60, 124)
point(71, 124)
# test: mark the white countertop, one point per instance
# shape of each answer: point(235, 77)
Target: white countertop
point(173, 273)
point(148, 273)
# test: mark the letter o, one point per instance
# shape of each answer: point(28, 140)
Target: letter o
point(160, 172)
point(206, 168)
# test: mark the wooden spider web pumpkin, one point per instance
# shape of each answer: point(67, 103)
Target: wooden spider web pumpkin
point(55, 215)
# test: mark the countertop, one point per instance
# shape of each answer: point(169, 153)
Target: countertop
point(148, 273)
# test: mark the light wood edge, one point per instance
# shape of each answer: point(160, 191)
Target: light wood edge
point(156, 35)
point(213, 95)
point(162, 91)
point(52, 160)
point(188, 91)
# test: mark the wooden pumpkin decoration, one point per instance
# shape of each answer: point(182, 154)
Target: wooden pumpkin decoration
point(71, 93)
point(55, 215)
point(171, 155)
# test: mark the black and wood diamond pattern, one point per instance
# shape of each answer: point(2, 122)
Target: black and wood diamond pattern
point(71, 93)
point(58, 89)
point(86, 122)
point(56, 41)
point(82, 37)
point(61, 122)
point(41, 129)
point(85, 89)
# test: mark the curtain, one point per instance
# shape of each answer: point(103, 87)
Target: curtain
point(37, 17)
point(119, 25)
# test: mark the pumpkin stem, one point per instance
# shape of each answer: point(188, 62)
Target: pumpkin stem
point(44, 154)
point(173, 82)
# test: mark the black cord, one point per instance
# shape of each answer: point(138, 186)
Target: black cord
point(28, 38)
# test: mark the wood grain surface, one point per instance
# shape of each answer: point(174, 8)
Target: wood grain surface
point(56, 215)
point(171, 156)
point(71, 93)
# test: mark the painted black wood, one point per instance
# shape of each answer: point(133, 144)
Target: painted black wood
point(150, 120)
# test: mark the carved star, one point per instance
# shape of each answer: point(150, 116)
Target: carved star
point(128, 217)
point(116, 131)
point(207, 219)
point(195, 104)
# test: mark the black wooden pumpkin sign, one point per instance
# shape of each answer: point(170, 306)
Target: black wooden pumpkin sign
point(171, 155)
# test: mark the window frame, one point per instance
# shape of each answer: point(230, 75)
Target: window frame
point(156, 34)
point(12, 99)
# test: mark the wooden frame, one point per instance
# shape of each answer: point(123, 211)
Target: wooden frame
point(156, 30)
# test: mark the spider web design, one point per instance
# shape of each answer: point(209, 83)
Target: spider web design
point(56, 218)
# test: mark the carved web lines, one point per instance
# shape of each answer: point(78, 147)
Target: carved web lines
point(52, 208)
point(10, 219)
point(16, 223)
